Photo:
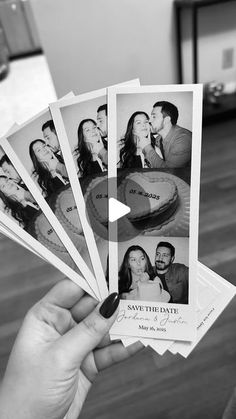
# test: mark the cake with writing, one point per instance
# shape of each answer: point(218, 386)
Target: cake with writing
point(42, 230)
point(97, 200)
point(151, 196)
point(67, 214)
point(66, 211)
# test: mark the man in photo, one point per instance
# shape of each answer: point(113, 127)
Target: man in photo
point(174, 276)
point(51, 139)
point(172, 143)
point(102, 123)
point(102, 126)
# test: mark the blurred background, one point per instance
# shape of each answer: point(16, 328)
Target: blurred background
point(48, 48)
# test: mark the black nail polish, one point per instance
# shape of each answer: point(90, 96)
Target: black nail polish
point(109, 305)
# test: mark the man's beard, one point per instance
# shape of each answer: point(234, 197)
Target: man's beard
point(161, 266)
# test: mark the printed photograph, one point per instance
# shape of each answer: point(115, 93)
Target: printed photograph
point(85, 124)
point(82, 128)
point(157, 166)
point(81, 124)
point(154, 269)
point(154, 130)
point(159, 202)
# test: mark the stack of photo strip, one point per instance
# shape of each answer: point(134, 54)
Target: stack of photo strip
point(139, 147)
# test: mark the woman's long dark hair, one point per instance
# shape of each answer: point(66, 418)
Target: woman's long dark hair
point(85, 157)
point(16, 208)
point(44, 177)
point(125, 277)
point(129, 148)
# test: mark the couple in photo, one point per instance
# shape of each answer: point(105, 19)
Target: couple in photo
point(156, 141)
point(165, 282)
point(48, 164)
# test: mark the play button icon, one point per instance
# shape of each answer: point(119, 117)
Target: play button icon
point(102, 211)
point(117, 209)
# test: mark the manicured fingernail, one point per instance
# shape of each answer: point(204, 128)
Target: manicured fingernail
point(109, 305)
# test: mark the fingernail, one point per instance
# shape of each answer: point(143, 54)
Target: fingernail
point(109, 305)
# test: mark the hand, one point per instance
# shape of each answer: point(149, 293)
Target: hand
point(143, 141)
point(144, 277)
point(19, 195)
point(54, 361)
point(51, 163)
point(29, 197)
point(97, 147)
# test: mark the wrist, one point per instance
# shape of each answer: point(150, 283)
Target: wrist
point(9, 406)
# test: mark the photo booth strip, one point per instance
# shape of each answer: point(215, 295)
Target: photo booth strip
point(67, 115)
point(142, 329)
point(73, 248)
point(64, 140)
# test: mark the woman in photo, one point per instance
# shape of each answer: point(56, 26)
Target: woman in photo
point(131, 155)
point(90, 150)
point(136, 269)
point(51, 173)
point(17, 201)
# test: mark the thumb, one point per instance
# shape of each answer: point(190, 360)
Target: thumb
point(84, 337)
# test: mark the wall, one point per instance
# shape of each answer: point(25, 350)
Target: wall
point(217, 31)
point(90, 44)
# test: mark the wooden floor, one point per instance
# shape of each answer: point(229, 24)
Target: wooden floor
point(150, 386)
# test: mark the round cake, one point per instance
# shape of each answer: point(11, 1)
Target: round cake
point(97, 201)
point(151, 196)
point(66, 210)
point(46, 235)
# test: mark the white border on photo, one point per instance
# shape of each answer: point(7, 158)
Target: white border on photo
point(36, 193)
point(126, 324)
point(64, 140)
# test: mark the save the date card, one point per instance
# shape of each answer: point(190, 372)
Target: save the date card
point(154, 146)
